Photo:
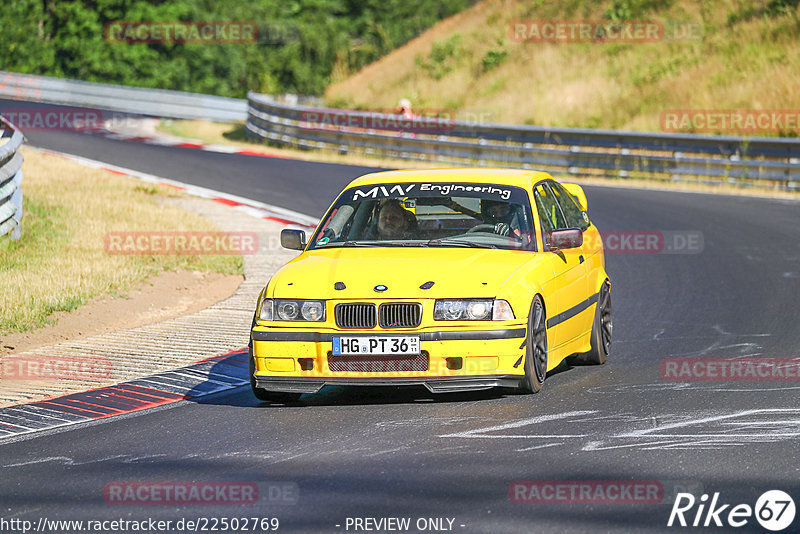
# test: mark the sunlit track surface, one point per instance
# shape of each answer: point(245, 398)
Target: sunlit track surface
point(403, 453)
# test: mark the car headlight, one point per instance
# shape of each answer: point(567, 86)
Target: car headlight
point(472, 310)
point(312, 310)
point(292, 310)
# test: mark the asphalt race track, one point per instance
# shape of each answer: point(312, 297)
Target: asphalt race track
point(378, 453)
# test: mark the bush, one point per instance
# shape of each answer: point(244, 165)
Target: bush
point(493, 59)
point(442, 57)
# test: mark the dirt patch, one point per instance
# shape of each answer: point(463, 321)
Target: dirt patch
point(169, 294)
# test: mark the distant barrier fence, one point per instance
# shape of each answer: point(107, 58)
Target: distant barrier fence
point(294, 121)
point(10, 180)
point(711, 159)
point(141, 101)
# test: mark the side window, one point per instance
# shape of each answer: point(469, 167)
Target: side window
point(572, 212)
point(549, 213)
point(548, 208)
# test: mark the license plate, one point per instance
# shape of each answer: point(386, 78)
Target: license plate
point(348, 346)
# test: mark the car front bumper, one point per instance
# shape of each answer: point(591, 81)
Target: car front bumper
point(442, 384)
point(301, 361)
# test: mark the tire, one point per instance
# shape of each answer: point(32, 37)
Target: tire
point(535, 348)
point(262, 394)
point(602, 328)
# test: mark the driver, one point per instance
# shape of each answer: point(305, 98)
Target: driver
point(394, 221)
point(501, 215)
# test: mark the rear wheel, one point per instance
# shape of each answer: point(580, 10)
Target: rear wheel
point(262, 394)
point(602, 328)
point(535, 348)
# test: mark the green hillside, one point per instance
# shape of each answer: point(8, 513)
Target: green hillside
point(716, 54)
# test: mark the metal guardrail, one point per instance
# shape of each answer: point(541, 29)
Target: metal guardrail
point(10, 179)
point(122, 98)
point(574, 151)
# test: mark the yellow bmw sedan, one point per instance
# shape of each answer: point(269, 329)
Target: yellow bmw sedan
point(460, 279)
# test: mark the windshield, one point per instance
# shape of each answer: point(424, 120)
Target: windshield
point(429, 214)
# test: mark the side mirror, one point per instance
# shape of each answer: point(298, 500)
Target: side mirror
point(293, 239)
point(565, 239)
point(577, 191)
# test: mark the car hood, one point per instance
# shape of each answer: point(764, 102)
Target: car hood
point(455, 273)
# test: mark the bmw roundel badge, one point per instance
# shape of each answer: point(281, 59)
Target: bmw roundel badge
point(380, 288)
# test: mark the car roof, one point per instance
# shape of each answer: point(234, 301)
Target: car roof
point(521, 178)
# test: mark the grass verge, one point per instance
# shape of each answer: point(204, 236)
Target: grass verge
point(60, 262)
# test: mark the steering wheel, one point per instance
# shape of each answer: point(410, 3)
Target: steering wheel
point(482, 228)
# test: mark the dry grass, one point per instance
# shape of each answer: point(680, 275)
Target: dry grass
point(741, 61)
point(60, 262)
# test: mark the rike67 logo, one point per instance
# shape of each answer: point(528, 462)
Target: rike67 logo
point(774, 510)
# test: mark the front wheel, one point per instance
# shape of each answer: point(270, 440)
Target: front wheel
point(535, 348)
point(602, 328)
point(262, 394)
